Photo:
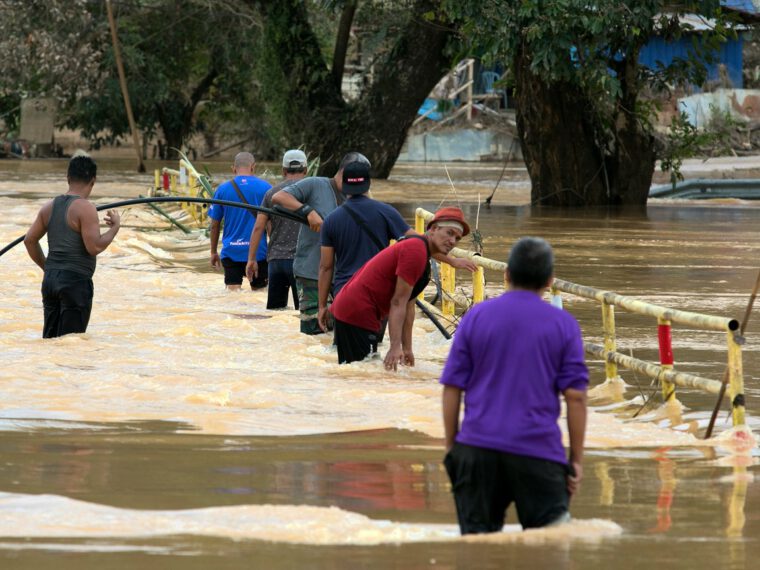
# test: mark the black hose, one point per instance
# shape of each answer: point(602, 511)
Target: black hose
point(446, 334)
point(276, 211)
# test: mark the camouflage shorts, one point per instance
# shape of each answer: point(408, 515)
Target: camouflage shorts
point(308, 304)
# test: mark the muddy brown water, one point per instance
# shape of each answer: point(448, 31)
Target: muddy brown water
point(190, 427)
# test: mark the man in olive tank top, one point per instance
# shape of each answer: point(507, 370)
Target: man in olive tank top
point(74, 239)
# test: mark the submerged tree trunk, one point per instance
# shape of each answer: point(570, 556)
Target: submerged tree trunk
point(377, 123)
point(569, 160)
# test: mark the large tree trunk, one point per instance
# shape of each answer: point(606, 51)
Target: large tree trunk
point(176, 117)
point(174, 127)
point(568, 160)
point(377, 123)
point(632, 163)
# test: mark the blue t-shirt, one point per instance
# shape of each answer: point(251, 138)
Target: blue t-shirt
point(353, 247)
point(512, 356)
point(238, 222)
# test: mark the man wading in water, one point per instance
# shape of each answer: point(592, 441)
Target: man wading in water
point(386, 287)
point(74, 239)
point(512, 356)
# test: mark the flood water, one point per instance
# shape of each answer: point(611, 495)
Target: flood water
point(191, 428)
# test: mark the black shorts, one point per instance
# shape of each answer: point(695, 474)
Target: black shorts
point(67, 302)
point(234, 273)
point(485, 482)
point(354, 343)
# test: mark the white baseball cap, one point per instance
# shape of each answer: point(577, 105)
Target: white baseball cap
point(294, 159)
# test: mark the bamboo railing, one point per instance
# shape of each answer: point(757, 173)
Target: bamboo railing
point(663, 372)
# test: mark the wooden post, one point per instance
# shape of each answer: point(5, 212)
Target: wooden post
point(470, 79)
point(123, 83)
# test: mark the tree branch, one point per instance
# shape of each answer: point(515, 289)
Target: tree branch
point(341, 42)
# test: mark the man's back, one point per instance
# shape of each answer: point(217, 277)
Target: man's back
point(66, 248)
point(318, 193)
point(238, 222)
point(512, 356)
point(353, 246)
point(283, 238)
point(365, 300)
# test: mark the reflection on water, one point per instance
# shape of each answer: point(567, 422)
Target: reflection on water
point(186, 410)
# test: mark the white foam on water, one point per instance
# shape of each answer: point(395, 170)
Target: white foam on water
point(53, 516)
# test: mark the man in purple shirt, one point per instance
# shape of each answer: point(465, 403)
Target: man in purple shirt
point(512, 356)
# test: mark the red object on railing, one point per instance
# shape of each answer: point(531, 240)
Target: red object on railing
point(666, 344)
point(166, 181)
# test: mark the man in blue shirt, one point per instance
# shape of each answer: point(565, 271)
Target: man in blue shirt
point(238, 224)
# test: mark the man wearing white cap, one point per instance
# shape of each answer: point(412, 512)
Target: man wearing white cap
point(283, 238)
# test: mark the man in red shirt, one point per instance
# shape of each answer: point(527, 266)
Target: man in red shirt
point(387, 286)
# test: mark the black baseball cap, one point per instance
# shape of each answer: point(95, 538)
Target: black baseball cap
point(356, 178)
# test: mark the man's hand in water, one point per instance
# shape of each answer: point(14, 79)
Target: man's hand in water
point(393, 357)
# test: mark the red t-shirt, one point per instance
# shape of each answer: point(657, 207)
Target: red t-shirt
point(366, 299)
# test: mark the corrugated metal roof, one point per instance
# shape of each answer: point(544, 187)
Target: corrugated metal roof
point(729, 54)
point(748, 6)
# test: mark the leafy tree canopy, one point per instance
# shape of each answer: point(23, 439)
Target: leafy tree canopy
point(581, 58)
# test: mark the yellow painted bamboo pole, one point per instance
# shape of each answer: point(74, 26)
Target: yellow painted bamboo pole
point(419, 227)
point(610, 343)
point(447, 285)
point(156, 181)
point(735, 379)
point(478, 285)
point(419, 222)
point(655, 371)
point(632, 305)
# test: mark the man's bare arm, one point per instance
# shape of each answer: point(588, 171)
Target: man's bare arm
point(32, 240)
point(396, 319)
point(458, 262)
point(324, 283)
point(213, 235)
point(251, 268)
point(287, 200)
point(86, 217)
point(576, 429)
point(452, 401)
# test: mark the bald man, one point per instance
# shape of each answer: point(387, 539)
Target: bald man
point(238, 224)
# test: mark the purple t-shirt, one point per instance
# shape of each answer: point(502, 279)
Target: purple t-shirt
point(512, 356)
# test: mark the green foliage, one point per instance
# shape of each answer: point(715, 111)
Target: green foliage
point(684, 140)
point(176, 55)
